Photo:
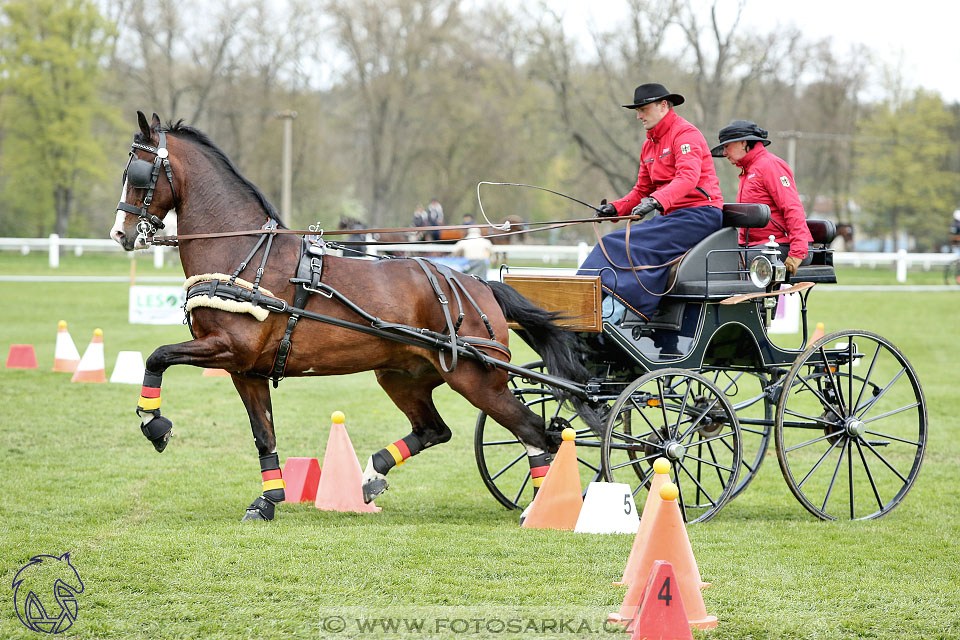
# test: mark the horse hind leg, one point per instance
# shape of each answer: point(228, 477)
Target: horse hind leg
point(255, 393)
point(412, 395)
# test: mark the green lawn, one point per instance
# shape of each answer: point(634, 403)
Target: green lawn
point(158, 542)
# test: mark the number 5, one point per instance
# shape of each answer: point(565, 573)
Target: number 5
point(627, 504)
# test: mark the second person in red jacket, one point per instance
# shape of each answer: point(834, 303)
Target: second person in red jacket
point(766, 179)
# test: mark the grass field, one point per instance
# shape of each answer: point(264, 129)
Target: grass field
point(158, 542)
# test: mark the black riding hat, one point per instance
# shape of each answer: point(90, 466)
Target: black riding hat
point(740, 130)
point(652, 92)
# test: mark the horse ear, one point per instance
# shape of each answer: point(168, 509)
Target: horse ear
point(142, 121)
point(155, 123)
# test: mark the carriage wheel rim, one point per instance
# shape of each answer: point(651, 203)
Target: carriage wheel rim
point(865, 445)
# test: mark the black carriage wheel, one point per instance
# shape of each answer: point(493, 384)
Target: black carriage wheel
point(850, 436)
point(748, 393)
point(682, 416)
point(502, 460)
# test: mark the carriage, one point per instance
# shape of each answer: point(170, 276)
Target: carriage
point(700, 384)
point(703, 385)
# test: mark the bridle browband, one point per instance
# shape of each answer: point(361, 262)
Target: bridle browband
point(144, 175)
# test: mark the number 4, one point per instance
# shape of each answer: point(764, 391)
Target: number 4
point(664, 593)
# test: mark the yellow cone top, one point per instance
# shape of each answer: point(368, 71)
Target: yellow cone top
point(819, 325)
point(568, 434)
point(337, 417)
point(669, 491)
point(661, 465)
point(62, 324)
point(98, 333)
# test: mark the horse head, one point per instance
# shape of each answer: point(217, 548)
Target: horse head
point(148, 192)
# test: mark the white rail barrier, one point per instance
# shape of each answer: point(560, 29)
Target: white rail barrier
point(547, 254)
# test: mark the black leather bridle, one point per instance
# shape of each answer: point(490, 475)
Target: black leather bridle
point(144, 175)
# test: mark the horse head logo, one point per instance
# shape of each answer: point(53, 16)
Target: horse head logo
point(42, 576)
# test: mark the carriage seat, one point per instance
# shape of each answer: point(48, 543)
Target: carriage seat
point(745, 215)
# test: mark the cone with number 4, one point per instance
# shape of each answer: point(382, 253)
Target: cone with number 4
point(668, 541)
point(661, 614)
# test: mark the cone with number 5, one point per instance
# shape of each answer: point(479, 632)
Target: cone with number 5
point(668, 541)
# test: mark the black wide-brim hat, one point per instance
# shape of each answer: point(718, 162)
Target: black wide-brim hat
point(652, 92)
point(740, 130)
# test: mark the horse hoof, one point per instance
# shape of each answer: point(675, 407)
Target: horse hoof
point(157, 431)
point(372, 488)
point(259, 509)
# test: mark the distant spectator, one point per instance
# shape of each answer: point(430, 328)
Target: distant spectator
point(434, 218)
point(955, 231)
point(477, 250)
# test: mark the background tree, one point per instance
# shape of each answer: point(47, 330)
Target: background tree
point(905, 187)
point(51, 53)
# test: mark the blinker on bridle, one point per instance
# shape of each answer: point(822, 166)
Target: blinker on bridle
point(141, 174)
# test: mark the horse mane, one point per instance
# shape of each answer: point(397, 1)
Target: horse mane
point(204, 141)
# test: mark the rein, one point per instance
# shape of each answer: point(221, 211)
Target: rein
point(172, 241)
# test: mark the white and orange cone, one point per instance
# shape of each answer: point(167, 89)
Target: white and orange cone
point(65, 356)
point(91, 367)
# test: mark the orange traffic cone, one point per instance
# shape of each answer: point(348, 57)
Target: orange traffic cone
point(301, 476)
point(558, 502)
point(668, 541)
point(215, 373)
point(661, 614)
point(661, 468)
point(340, 483)
point(65, 356)
point(91, 367)
point(816, 335)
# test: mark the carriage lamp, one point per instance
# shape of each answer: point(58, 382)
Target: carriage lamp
point(768, 267)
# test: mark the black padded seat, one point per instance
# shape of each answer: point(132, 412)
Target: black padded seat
point(691, 274)
point(823, 231)
point(745, 215)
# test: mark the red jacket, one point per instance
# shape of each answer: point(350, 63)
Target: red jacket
point(767, 179)
point(676, 168)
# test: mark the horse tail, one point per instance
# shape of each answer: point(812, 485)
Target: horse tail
point(561, 350)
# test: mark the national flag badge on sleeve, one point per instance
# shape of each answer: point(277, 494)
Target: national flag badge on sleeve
point(684, 148)
point(785, 181)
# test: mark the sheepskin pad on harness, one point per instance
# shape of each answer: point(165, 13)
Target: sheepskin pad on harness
point(223, 304)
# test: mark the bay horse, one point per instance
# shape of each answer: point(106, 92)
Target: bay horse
point(177, 167)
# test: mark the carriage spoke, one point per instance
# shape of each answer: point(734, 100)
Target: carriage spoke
point(680, 500)
point(833, 480)
point(588, 465)
point(663, 408)
point(866, 379)
point(826, 403)
point(683, 406)
point(797, 414)
point(700, 487)
point(493, 443)
point(809, 442)
point(884, 461)
point(884, 435)
point(833, 381)
point(523, 486)
point(717, 464)
point(866, 467)
point(819, 462)
point(509, 464)
point(890, 413)
point(850, 475)
point(877, 397)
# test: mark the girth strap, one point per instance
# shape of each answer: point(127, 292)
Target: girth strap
point(445, 305)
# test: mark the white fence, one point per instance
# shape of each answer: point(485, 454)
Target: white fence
point(549, 255)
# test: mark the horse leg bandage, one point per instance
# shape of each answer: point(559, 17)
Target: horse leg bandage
point(396, 453)
point(149, 405)
point(273, 484)
point(539, 465)
point(154, 427)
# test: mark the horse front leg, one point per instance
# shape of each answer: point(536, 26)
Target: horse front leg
point(255, 393)
point(209, 351)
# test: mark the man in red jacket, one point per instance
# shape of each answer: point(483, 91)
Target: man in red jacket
point(676, 179)
point(766, 179)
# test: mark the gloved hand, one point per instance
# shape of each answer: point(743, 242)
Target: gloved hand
point(791, 263)
point(647, 205)
point(606, 210)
